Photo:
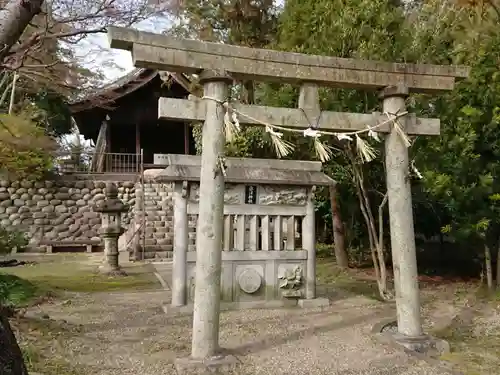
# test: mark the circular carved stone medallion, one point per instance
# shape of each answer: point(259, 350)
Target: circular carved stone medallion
point(249, 281)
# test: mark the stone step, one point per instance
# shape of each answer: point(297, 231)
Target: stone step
point(153, 241)
point(162, 229)
point(159, 223)
point(158, 207)
point(151, 200)
point(156, 221)
point(164, 254)
point(154, 229)
point(161, 205)
point(161, 254)
point(159, 248)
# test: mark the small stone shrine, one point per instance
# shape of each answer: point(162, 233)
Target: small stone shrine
point(268, 249)
point(111, 210)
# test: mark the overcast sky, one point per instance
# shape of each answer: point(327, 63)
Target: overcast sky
point(95, 54)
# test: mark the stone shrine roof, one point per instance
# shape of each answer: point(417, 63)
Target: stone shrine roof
point(246, 171)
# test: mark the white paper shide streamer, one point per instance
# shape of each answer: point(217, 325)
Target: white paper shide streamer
point(324, 152)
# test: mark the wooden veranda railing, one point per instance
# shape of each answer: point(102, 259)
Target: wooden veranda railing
point(98, 162)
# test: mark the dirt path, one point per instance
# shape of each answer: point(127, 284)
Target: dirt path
point(128, 333)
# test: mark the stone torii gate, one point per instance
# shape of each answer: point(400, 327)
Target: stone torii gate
point(395, 82)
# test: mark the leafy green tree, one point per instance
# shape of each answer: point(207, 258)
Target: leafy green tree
point(462, 165)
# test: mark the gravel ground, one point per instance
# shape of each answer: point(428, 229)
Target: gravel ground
point(128, 333)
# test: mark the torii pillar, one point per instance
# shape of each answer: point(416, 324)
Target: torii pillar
point(403, 247)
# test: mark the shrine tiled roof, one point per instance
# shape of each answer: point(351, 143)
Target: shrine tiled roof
point(123, 86)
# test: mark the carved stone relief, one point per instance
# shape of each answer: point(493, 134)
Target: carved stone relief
point(250, 281)
point(276, 194)
point(290, 281)
point(232, 195)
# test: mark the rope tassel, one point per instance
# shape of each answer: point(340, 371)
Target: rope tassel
point(365, 151)
point(282, 147)
point(231, 124)
point(399, 129)
point(401, 133)
point(323, 151)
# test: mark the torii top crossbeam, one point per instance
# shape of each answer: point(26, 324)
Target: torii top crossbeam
point(162, 52)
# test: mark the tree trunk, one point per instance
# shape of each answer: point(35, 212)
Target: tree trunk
point(376, 241)
point(489, 270)
point(11, 357)
point(338, 231)
point(249, 92)
point(14, 18)
point(498, 265)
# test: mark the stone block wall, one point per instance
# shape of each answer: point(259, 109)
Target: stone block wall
point(57, 210)
point(158, 207)
point(61, 211)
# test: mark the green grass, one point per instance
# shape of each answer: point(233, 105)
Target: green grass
point(15, 291)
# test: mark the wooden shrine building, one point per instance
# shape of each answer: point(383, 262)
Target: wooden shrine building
point(122, 119)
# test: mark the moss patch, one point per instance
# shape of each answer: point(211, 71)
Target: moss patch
point(350, 281)
point(79, 274)
point(473, 355)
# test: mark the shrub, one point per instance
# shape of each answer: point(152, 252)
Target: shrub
point(12, 240)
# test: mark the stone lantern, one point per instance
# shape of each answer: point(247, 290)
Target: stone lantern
point(111, 210)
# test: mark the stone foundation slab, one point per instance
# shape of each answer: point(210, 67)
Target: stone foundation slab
point(313, 303)
point(386, 332)
point(273, 304)
point(216, 365)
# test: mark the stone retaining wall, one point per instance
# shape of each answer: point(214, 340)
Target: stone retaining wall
point(58, 210)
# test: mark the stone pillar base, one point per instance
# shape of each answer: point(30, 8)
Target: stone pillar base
point(220, 364)
point(271, 304)
point(424, 344)
point(313, 303)
point(124, 257)
point(111, 271)
point(386, 332)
